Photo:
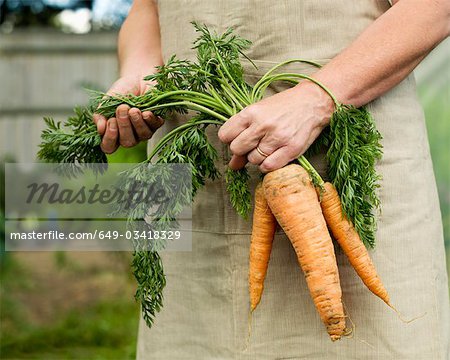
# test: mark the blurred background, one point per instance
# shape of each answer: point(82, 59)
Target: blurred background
point(80, 305)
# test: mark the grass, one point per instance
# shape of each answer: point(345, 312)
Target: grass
point(106, 330)
point(41, 317)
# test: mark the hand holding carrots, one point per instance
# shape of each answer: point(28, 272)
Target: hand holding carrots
point(129, 126)
point(282, 126)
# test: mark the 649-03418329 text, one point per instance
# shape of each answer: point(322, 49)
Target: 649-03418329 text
point(98, 234)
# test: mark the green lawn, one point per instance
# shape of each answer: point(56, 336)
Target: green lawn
point(67, 306)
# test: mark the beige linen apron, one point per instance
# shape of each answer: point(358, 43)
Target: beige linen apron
point(206, 306)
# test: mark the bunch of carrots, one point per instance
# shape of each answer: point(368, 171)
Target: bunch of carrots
point(289, 197)
point(214, 88)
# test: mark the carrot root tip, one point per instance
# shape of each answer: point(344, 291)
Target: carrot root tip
point(249, 330)
point(406, 321)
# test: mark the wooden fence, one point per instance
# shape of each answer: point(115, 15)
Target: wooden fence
point(42, 73)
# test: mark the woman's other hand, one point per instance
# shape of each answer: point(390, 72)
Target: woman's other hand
point(130, 125)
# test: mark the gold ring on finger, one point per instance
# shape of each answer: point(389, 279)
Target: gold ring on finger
point(261, 152)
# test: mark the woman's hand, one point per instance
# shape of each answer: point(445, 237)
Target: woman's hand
point(278, 129)
point(130, 125)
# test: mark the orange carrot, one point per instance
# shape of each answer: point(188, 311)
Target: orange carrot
point(350, 242)
point(264, 225)
point(293, 200)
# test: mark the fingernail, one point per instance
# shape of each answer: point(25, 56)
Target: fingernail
point(123, 112)
point(112, 125)
point(134, 117)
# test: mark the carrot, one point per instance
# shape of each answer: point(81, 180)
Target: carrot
point(350, 242)
point(264, 225)
point(294, 202)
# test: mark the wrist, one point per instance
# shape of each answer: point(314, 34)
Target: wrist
point(136, 72)
point(138, 68)
point(321, 101)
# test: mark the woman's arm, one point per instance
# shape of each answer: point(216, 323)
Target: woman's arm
point(286, 124)
point(140, 40)
point(387, 51)
point(139, 48)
